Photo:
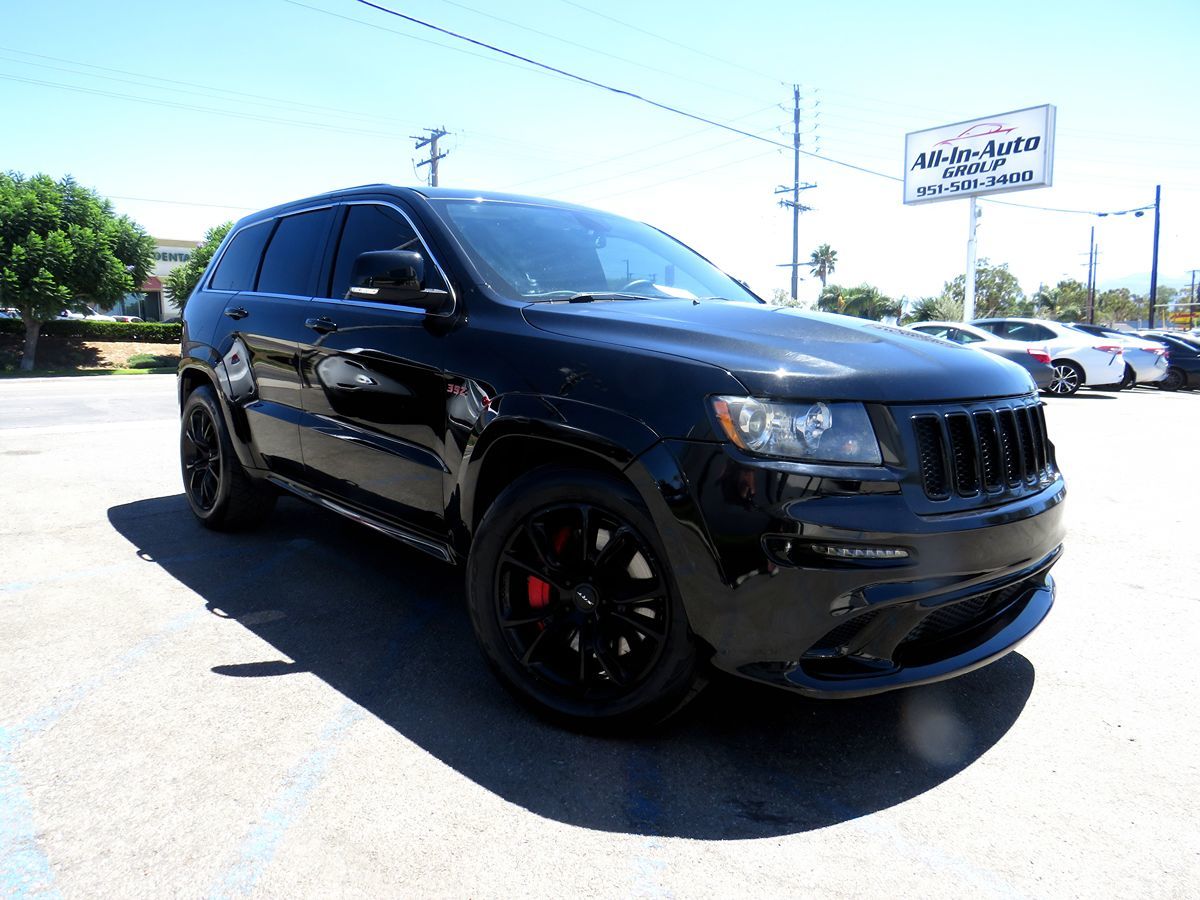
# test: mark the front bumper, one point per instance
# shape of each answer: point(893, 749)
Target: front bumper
point(973, 582)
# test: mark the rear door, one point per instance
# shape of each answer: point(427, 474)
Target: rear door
point(276, 263)
point(375, 393)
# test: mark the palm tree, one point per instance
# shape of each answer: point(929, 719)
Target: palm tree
point(823, 262)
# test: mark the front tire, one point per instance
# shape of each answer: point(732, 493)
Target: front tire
point(222, 496)
point(1067, 380)
point(574, 606)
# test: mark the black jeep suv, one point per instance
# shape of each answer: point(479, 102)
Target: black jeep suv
point(643, 467)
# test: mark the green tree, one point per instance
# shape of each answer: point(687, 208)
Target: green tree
point(936, 309)
point(997, 291)
point(1066, 301)
point(780, 297)
point(62, 247)
point(864, 301)
point(183, 280)
point(1119, 305)
point(822, 262)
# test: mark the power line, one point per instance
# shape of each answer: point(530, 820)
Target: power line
point(638, 152)
point(665, 39)
point(654, 184)
point(200, 90)
point(179, 202)
point(580, 78)
point(657, 165)
point(591, 49)
point(192, 107)
point(406, 35)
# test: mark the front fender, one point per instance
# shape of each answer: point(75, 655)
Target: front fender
point(544, 428)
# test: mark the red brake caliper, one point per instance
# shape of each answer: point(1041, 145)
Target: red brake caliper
point(539, 591)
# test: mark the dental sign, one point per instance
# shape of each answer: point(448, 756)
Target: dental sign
point(1013, 151)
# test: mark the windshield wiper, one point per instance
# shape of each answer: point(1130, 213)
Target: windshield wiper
point(589, 296)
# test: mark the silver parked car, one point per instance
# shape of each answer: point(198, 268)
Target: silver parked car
point(1035, 360)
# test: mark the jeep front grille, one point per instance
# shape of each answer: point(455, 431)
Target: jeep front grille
point(986, 449)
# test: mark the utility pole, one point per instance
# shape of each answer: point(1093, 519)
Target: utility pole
point(794, 204)
point(434, 156)
point(1154, 257)
point(1091, 285)
point(969, 278)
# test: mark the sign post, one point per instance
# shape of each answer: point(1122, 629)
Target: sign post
point(1013, 151)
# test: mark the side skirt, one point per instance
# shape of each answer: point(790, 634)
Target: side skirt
point(439, 549)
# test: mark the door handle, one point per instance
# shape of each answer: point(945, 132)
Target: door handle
point(237, 312)
point(323, 325)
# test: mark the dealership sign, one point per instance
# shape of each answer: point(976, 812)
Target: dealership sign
point(1013, 151)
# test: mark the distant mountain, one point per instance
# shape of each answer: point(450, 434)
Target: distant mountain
point(1140, 283)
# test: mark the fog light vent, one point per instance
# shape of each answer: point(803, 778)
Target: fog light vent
point(835, 551)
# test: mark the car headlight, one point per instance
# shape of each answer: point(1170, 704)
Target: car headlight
point(818, 431)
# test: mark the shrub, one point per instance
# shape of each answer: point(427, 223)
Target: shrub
point(92, 330)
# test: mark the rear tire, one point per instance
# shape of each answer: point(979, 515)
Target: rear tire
point(222, 496)
point(1067, 379)
point(574, 606)
point(1174, 381)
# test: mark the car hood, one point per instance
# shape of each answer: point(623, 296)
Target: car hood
point(784, 352)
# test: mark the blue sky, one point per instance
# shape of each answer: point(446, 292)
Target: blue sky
point(225, 107)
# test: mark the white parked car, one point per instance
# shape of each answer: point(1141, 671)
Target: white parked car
point(1145, 359)
point(89, 313)
point(1078, 359)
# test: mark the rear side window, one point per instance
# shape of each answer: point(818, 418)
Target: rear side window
point(239, 262)
point(375, 227)
point(1023, 331)
point(940, 331)
point(294, 254)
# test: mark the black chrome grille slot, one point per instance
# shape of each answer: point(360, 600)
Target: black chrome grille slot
point(931, 450)
point(990, 460)
point(963, 456)
point(971, 451)
point(1010, 449)
point(1029, 464)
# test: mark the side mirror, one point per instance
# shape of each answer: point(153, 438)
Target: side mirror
point(393, 276)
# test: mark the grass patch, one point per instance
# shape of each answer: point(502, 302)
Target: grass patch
point(71, 373)
point(152, 361)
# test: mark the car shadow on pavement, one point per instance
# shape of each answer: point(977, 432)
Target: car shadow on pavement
point(388, 629)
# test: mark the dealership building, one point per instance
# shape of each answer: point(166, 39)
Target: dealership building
point(150, 302)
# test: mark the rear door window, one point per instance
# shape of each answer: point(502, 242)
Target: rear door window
point(239, 262)
point(294, 254)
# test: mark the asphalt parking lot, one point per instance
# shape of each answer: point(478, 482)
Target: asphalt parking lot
point(302, 711)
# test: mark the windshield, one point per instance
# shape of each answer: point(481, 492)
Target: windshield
point(550, 253)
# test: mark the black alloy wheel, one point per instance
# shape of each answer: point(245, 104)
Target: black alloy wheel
point(1174, 381)
point(200, 449)
point(222, 496)
point(1067, 379)
point(573, 604)
point(582, 601)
